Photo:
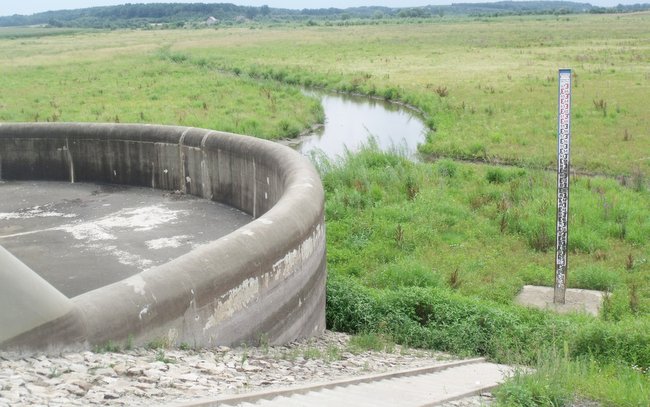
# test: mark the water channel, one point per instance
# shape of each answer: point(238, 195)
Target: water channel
point(350, 121)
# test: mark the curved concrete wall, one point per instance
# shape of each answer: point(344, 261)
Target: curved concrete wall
point(267, 278)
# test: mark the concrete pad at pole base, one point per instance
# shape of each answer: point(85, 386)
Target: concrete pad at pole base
point(27, 301)
point(577, 300)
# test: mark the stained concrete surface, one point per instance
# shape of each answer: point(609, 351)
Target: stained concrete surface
point(83, 236)
point(576, 300)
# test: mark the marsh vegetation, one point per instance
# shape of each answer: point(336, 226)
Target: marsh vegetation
point(426, 254)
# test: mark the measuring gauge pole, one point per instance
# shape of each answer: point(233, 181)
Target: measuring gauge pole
point(563, 160)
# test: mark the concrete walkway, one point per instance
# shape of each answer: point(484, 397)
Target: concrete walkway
point(418, 387)
point(84, 236)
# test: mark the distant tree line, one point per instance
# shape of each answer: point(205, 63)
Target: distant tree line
point(179, 14)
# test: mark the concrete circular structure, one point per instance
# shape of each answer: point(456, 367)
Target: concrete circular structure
point(266, 279)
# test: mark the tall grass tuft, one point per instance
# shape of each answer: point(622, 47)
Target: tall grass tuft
point(558, 380)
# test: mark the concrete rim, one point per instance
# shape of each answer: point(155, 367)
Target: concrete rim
point(266, 278)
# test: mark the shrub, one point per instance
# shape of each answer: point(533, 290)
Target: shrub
point(288, 128)
point(407, 273)
point(108, 347)
point(439, 319)
point(627, 340)
point(447, 168)
point(496, 176)
point(412, 188)
point(350, 306)
point(370, 341)
point(178, 58)
point(540, 239)
point(536, 229)
point(533, 274)
point(391, 94)
point(594, 277)
point(584, 240)
point(616, 305)
point(546, 386)
point(442, 91)
point(477, 150)
point(558, 380)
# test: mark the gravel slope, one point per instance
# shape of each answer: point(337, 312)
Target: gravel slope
point(142, 377)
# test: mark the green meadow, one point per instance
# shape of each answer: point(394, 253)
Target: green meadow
point(132, 77)
point(487, 87)
point(426, 254)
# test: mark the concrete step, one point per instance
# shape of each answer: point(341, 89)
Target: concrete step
point(410, 388)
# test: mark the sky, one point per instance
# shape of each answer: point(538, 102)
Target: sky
point(9, 7)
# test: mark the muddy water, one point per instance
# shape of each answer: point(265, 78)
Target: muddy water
point(351, 120)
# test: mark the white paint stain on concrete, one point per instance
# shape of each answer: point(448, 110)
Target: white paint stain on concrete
point(123, 257)
point(35, 212)
point(234, 301)
point(129, 259)
point(88, 231)
point(140, 219)
point(295, 259)
point(137, 282)
point(144, 311)
point(248, 232)
point(266, 221)
point(168, 242)
point(136, 220)
point(243, 295)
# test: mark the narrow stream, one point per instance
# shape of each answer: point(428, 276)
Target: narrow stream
point(350, 121)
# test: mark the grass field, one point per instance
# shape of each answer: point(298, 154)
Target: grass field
point(488, 87)
point(114, 77)
point(427, 254)
point(487, 229)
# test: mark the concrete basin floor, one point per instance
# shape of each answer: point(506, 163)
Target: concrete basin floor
point(83, 236)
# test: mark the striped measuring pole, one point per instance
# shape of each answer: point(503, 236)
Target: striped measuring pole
point(563, 173)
